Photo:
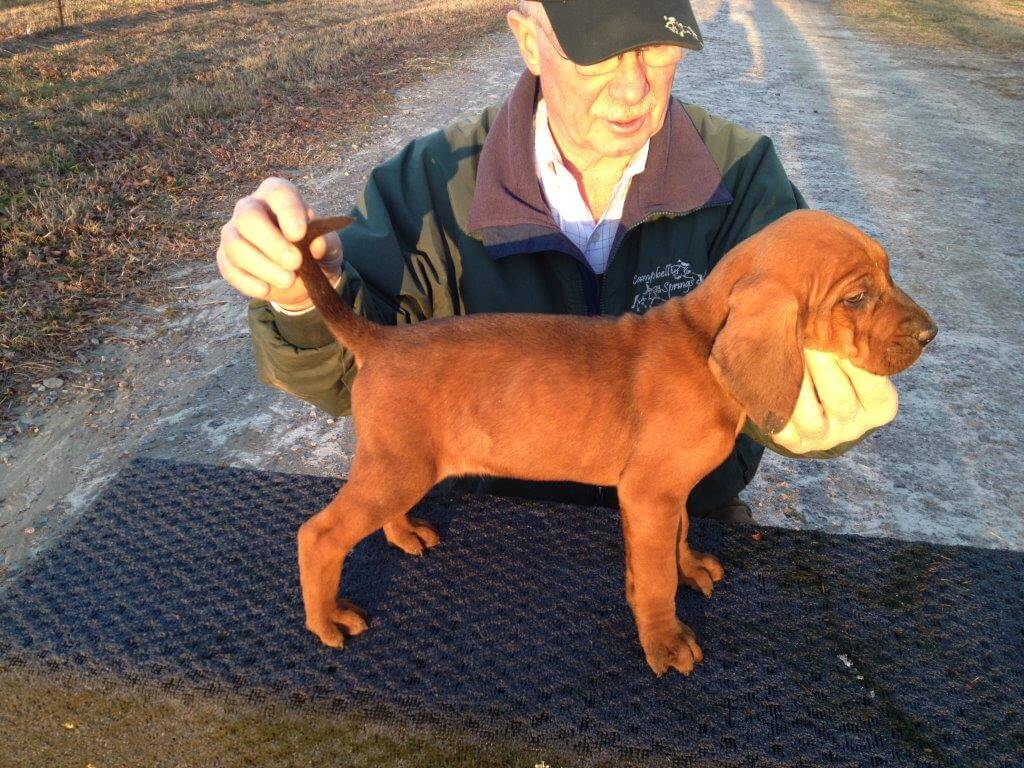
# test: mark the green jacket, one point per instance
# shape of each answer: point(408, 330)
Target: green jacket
point(456, 223)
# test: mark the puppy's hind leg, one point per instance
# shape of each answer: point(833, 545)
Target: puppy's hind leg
point(410, 534)
point(377, 491)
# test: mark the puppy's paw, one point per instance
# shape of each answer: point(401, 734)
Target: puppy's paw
point(674, 648)
point(699, 570)
point(328, 627)
point(411, 535)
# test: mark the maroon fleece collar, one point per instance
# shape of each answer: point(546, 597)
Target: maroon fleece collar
point(509, 213)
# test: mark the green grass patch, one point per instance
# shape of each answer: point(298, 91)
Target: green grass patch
point(60, 720)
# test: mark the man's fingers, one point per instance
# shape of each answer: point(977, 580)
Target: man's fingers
point(835, 392)
point(808, 417)
point(319, 248)
point(247, 258)
point(854, 403)
point(877, 394)
point(241, 281)
point(870, 388)
point(253, 221)
point(788, 438)
point(325, 247)
point(285, 203)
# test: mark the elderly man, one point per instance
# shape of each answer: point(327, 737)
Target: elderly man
point(590, 191)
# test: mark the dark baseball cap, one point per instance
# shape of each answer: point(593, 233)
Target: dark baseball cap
point(593, 30)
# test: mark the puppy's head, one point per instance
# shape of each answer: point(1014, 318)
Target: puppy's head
point(810, 280)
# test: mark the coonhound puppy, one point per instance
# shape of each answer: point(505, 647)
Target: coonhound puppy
point(649, 403)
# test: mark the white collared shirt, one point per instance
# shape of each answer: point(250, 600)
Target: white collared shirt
point(594, 239)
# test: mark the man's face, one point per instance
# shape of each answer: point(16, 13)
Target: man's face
point(608, 115)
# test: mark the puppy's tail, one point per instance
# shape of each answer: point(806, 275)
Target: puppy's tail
point(353, 331)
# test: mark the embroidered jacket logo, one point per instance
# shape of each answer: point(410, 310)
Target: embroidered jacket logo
point(677, 27)
point(664, 283)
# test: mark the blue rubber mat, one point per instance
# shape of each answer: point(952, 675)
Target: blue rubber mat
point(819, 650)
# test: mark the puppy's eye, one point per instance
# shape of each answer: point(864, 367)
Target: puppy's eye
point(855, 299)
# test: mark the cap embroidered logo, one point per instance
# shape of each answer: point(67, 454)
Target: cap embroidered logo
point(677, 27)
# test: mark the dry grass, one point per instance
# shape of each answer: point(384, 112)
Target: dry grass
point(125, 138)
point(994, 25)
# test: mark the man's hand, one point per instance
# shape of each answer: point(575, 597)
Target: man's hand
point(256, 254)
point(838, 403)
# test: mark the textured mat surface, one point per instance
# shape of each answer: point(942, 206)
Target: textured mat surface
point(819, 650)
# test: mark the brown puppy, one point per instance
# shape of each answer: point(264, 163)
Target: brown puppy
point(648, 403)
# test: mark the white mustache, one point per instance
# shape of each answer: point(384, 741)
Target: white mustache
point(619, 115)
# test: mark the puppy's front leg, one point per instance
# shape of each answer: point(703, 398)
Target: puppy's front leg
point(651, 525)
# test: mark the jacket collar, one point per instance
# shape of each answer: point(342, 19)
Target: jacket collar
point(509, 213)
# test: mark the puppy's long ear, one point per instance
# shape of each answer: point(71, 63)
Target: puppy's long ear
point(758, 353)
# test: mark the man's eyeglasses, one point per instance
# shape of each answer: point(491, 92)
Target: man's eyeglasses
point(651, 55)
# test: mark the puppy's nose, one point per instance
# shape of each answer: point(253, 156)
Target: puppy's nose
point(927, 334)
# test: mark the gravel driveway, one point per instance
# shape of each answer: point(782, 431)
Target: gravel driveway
point(914, 146)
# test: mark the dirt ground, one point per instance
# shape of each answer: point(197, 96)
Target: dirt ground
point(917, 148)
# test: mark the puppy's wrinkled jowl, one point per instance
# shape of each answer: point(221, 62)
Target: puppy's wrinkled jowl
point(648, 403)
